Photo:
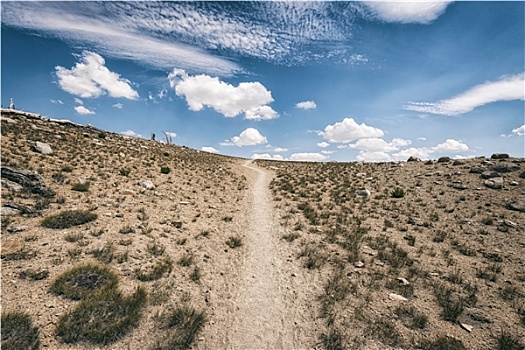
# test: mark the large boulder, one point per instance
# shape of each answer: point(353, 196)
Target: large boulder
point(413, 159)
point(495, 183)
point(505, 167)
point(489, 174)
point(517, 204)
point(43, 148)
point(500, 156)
point(444, 160)
point(477, 169)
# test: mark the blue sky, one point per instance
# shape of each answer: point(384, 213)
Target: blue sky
point(345, 81)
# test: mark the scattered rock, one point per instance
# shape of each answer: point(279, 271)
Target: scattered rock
point(510, 223)
point(429, 162)
point(495, 183)
point(7, 211)
point(147, 184)
point(477, 169)
point(413, 159)
point(466, 327)
point(8, 120)
point(444, 159)
point(500, 156)
point(489, 174)
point(43, 148)
point(12, 186)
point(360, 175)
point(522, 175)
point(16, 229)
point(458, 162)
point(514, 183)
point(459, 186)
point(359, 264)
point(128, 192)
point(516, 204)
point(35, 275)
point(403, 281)
point(397, 297)
point(505, 167)
point(33, 182)
point(363, 193)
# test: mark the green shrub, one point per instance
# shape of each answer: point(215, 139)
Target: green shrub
point(165, 170)
point(398, 192)
point(234, 242)
point(103, 317)
point(124, 171)
point(183, 324)
point(156, 271)
point(68, 218)
point(18, 332)
point(83, 280)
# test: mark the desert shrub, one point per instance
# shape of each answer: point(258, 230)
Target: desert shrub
point(183, 324)
point(124, 171)
point(234, 242)
point(452, 307)
point(196, 274)
point(156, 271)
point(83, 280)
point(186, 260)
point(67, 169)
point(105, 253)
point(103, 317)
point(74, 237)
point(333, 340)
point(68, 218)
point(398, 192)
point(417, 319)
point(81, 186)
point(165, 170)
point(155, 248)
point(126, 229)
point(442, 343)
point(34, 275)
point(314, 258)
point(18, 332)
point(385, 331)
point(290, 237)
point(508, 341)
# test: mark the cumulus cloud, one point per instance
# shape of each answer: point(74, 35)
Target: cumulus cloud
point(209, 149)
point(379, 145)
point(306, 105)
point(407, 11)
point(203, 90)
point(248, 137)
point(91, 78)
point(118, 106)
point(267, 156)
point(348, 130)
point(323, 144)
point(83, 110)
point(373, 156)
point(451, 145)
point(307, 157)
point(520, 131)
point(506, 89)
point(280, 149)
point(130, 133)
point(421, 153)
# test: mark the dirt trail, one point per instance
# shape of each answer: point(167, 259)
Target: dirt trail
point(266, 315)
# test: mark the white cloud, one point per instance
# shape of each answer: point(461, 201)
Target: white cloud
point(451, 145)
point(280, 149)
point(308, 157)
point(203, 90)
point(379, 145)
point(267, 156)
point(170, 134)
point(348, 130)
point(407, 11)
point(327, 152)
point(421, 153)
point(118, 105)
point(323, 144)
point(113, 29)
point(57, 101)
point(209, 149)
point(520, 131)
point(306, 105)
point(373, 156)
point(248, 137)
point(91, 78)
point(505, 89)
point(83, 110)
point(130, 133)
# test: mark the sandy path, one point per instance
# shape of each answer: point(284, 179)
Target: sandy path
point(262, 320)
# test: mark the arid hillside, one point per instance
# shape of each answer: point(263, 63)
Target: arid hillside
point(112, 242)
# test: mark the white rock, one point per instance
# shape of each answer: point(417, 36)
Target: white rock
point(363, 193)
point(403, 281)
point(466, 327)
point(43, 148)
point(147, 184)
point(397, 297)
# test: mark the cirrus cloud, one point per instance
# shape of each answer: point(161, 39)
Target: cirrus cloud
point(506, 89)
point(203, 90)
point(422, 12)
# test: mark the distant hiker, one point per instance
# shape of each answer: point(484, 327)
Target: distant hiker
point(11, 104)
point(152, 136)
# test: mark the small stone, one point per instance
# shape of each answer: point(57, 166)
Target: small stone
point(294, 274)
point(510, 223)
point(186, 203)
point(359, 264)
point(128, 192)
point(147, 184)
point(403, 281)
point(12, 186)
point(7, 211)
point(363, 193)
point(397, 297)
point(514, 183)
point(360, 175)
point(16, 229)
point(516, 204)
point(466, 327)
